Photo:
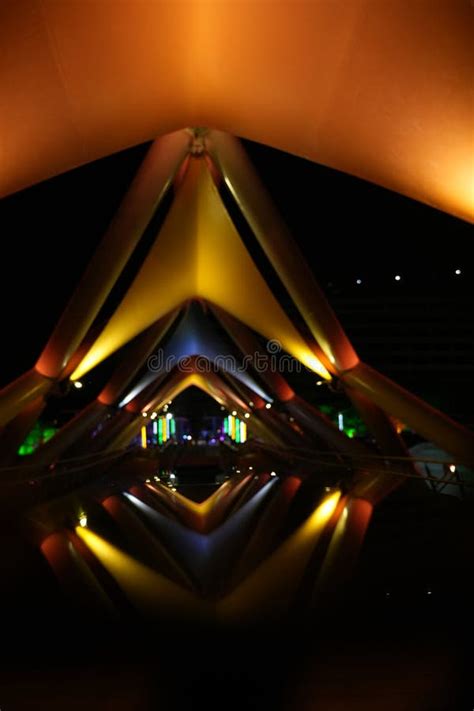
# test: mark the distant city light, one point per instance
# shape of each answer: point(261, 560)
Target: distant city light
point(272, 473)
point(319, 382)
point(268, 405)
point(358, 281)
point(234, 413)
point(250, 403)
point(169, 416)
point(458, 272)
point(452, 468)
point(247, 415)
point(77, 384)
point(83, 520)
point(153, 415)
point(397, 277)
point(145, 414)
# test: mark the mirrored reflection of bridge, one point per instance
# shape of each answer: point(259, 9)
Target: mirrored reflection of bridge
point(261, 539)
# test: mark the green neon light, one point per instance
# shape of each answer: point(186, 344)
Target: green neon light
point(160, 431)
point(36, 437)
point(237, 430)
point(173, 427)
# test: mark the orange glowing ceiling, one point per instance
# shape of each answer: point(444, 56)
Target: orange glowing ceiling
point(381, 89)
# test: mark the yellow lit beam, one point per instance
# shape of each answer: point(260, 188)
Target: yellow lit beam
point(148, 591)
point(272, 585)
point(186, 262)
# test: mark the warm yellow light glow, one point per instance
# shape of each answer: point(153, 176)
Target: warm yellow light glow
point(186, 262)
point(268, 589)
point(145, 588)
point(83, 520)
point(144, 438)
point(204, 515)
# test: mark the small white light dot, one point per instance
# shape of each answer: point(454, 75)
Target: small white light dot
point(83, 521)
point(397, 277)
point(387, 594)
point(428, 592)
point(77, 384)
point(272, 473)
point(250, 403)
point(358, 281)
point(247, 415)
point(452, 468)
point(145, 414)
point(234, 413)
point(268, 405)
point(457, 272)
point(250, 468)
point(319, 382)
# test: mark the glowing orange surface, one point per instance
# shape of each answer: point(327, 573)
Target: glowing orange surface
point(382, 89)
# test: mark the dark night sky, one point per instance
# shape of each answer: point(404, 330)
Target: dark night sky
point(347, 228)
